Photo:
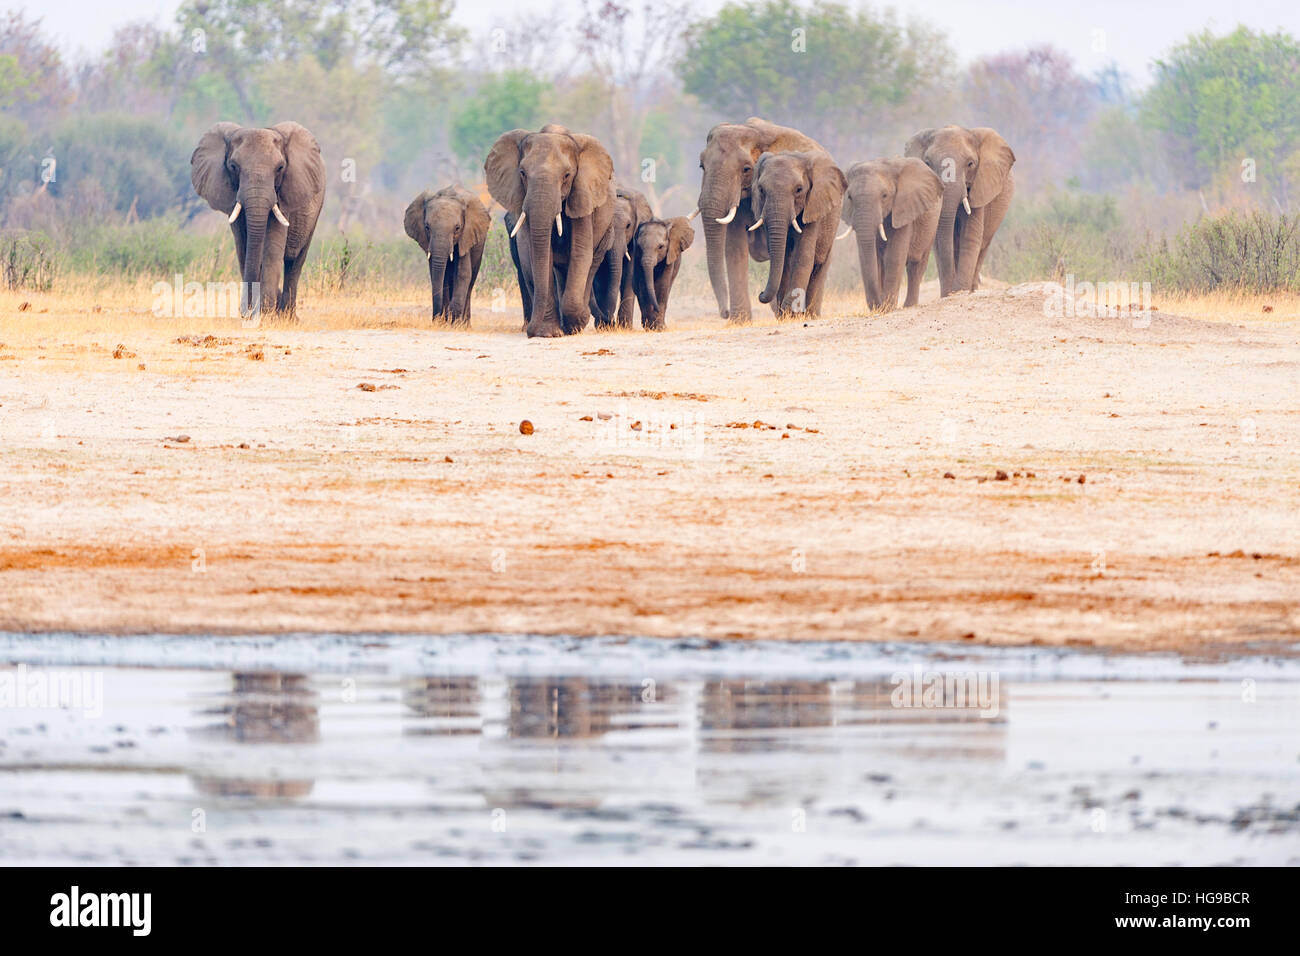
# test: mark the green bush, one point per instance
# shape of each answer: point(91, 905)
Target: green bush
point(1238, 252)
point(27, 261)
point(1066, 233)
point(155, 248)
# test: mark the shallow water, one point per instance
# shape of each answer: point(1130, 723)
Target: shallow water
point(407, 750)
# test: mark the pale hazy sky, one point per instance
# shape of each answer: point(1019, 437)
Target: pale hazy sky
point(1133, 31)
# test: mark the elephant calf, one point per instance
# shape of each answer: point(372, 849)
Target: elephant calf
point(612, 300)
point(451, 226)
point(893, 205)
point(656, 258)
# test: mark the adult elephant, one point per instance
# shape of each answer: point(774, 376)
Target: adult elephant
point(270, 183)
point(974, 167)
point(612, 300)
point(730, 155)
point(448, 223)
point(893, 205)
point(560, 186)
point(796, 197)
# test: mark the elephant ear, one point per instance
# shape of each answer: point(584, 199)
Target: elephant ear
point(919, 143)
point(502, 168)
point(828, 186)
point(475, 228)
point(416, 227)
point(995, 162)
point(304, 170)
point(208, 170)
point(680, 237)
point(918, 189)
point(592, 183)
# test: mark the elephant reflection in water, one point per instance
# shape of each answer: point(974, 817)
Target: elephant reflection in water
point(444, 705)
point(264, 708)
point(738, 705)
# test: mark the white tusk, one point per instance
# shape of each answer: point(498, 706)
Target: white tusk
point(518, 225)
point(429, 255)
point(795, 222)
point(451, 256)
point(965, 201)
point(692, 215)
point(728, 217)
point(627, 255)
point(757, 224)
point(882, 232)
point(847, 230)
point(279, 215)
point(234, 214)
point(559, 223)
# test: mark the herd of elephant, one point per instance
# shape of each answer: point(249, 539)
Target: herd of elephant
point(584, 246)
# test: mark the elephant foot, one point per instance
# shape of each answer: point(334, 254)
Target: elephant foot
point(739, 318)
point(575, 325)
point(544, 330)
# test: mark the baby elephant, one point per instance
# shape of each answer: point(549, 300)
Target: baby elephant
point(656, 256)
point(451, 227)
point(893, 205)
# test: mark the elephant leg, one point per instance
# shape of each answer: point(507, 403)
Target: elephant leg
point(626, 301)
point(292, 274)
point(273, 267)
point(738, 270)
point(237, 228)
point(663, 285)
point(915, 275)
point(894, 265)
point(475, 260)
point(994, 213)
point(799, 268)
point(817, 286)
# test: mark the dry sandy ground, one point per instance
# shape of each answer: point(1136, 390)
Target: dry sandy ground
point(301, 501)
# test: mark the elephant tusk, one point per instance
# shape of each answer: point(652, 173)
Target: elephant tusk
point(757, 224)
point(559, 223)
point(234, 214)
point(519, 224)
point(795, 222)
point(279, 215)
point(847, 230)
point(692, 215)
point(882, 232)
point(728, 217)
point(429, 255)
point(627, 255)
point(451, 256)
point(965, 201)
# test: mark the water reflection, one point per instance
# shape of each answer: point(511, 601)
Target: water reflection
point(262, 708)
point(686, 767)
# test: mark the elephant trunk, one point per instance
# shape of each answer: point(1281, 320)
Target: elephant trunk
point(438, 250)
point(776, 221)
point(541, 213)
point(257, 202)
point(945, 246)
point(866, 223)
point(716, 202)
point(648, 263)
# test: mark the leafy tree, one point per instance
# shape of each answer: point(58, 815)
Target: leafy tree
point(1039, 103)
point(136, 162)
point(1220, 101)
point(504, 101)
point(852, 79)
